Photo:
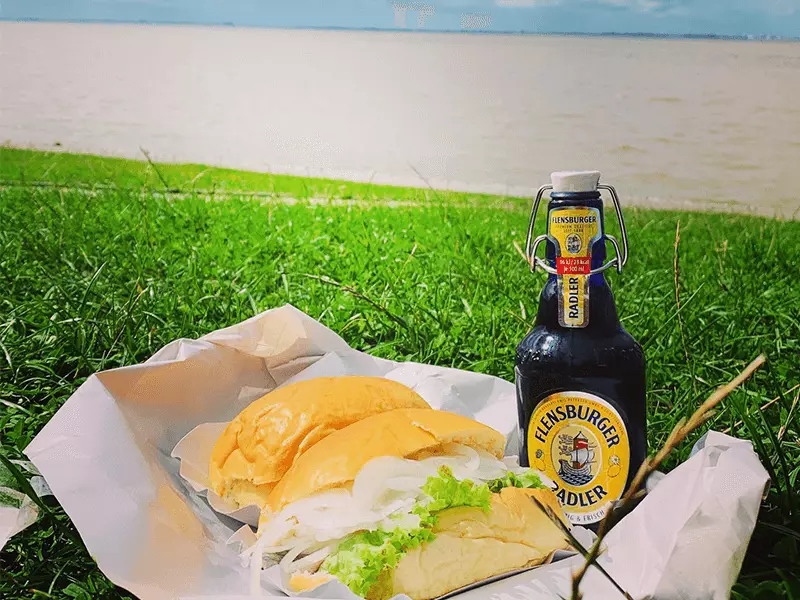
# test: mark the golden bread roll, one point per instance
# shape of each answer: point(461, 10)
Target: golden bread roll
point(472, 545)
point(260, 445)
point(405, 433)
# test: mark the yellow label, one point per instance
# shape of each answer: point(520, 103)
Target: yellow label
point(573, 230)
point(580, 442)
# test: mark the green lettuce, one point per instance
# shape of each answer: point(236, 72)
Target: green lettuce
point(445, 491)
point(528, 479)
point(359, 560)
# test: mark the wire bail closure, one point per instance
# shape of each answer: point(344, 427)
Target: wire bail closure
point(531, 246)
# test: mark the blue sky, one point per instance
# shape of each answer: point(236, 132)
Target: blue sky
point(728, 17)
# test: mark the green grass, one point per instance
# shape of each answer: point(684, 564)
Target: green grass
point(32, 167)
point(93, 281)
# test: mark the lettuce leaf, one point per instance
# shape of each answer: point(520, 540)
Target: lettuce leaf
point(528, 479)
point(445, 491)
point(359, 560)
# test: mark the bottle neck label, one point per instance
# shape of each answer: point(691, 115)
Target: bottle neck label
point(573, 231)
point(580, 442)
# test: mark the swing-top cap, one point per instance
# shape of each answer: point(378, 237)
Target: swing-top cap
point(575, 181)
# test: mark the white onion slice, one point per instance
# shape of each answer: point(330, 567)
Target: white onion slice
point(473, 459)
point(311, 561)
point(292, 554)
point(330, 499)
point(382, 495)
point(276, 529)
point(370, 483)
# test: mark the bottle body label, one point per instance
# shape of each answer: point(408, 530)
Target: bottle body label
point(573, 230)
point(581, 443)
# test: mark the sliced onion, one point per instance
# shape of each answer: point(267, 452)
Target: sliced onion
point(330, 499)
point(277, 529)
point(329, 526)
point(256, 564)
point(370, 483)
point(490, 468)
point(265, 550)
point(292, 554)
point(409, 483)
point(473, 459)
point(385, 487)
point(311, 561)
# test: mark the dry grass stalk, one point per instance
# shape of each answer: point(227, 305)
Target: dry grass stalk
point(156, 169)
point(681, 431)
point(763, 407)
point(361, 296)
point(521, 252)
point(577, 545)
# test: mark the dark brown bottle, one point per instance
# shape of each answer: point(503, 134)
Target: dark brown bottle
point(580, 376)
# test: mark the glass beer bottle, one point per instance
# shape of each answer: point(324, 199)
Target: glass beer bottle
point(580, 377)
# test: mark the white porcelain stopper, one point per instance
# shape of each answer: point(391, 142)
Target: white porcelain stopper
point(575, 181)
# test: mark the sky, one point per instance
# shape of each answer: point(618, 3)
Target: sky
point(722, 17)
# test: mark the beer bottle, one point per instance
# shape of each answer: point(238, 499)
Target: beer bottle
point(580, 377)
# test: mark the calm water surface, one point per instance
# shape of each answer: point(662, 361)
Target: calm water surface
point(671, 123)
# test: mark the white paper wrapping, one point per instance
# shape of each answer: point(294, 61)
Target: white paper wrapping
point(107, 455)
point(18, 511)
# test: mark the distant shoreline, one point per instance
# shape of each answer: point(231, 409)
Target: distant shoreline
point(611, 34)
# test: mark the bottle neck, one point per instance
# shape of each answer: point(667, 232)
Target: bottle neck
point(561, 201)
point(573, 298)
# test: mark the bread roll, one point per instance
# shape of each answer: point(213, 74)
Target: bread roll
point(266, 438)
point(471, 545)
point(405, 433)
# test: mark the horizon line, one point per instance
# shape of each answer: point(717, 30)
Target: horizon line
point(230, 24)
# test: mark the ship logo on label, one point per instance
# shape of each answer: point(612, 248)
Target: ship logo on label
point(580, 442)
point(577, 469)
point(573, 243)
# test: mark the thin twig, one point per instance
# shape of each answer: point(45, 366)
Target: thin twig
point(698, 418)
point(425, 180)
point(521, 252)
point(157, 170)
point(9, 576)
point(354, 292)
point(198, 176)
point(763, 407)
point(681, 431)
point(576, 544)
point(517, 317)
